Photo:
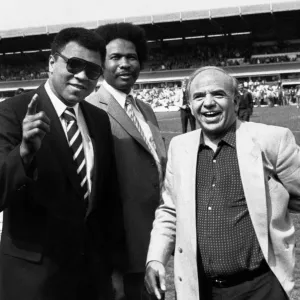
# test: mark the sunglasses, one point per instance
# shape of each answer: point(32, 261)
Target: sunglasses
point(76, 65)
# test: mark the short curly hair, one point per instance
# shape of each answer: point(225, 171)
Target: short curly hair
point(85, 37)
point(129, 32)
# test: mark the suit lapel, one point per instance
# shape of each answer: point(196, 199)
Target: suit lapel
point(56, 141)
point(189, 163)
point(160, 146)
point(115, 110)
point(252, 175)
point(98, 154)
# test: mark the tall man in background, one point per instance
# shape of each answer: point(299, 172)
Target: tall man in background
point(57, 181)
point(139, 147)
point(245, 109)
point(186, 115)
point(225, 203)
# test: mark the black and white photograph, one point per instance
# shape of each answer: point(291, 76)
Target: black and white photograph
point(150, 150)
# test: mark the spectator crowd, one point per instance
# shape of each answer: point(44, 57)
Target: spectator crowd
point(191, 56)
point(22, 72)
point(171, 57)
point(167, 98)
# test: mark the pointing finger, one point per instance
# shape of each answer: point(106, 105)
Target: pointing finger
point(31, 110)
point(157, 293)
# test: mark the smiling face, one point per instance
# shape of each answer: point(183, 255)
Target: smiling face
point(213, 102)
point(122, 67)
point(241, 87)
point(71, 88)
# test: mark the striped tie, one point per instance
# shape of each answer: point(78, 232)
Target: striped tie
point(75, 143)
point(149, 142)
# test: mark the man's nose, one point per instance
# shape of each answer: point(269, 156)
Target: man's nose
point(81, 75)
point(124, 62)
point(209, 100)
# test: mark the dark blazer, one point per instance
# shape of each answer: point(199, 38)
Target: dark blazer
point(137, 174)
point(50, 243)
point(246, 100)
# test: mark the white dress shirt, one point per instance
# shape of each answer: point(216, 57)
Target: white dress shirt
point(60, 107)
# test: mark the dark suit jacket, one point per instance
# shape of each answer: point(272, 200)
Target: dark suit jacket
point(50, 243)
point(137, 174)
point(246, 101)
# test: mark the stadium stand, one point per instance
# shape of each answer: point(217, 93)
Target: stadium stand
point(257, 42)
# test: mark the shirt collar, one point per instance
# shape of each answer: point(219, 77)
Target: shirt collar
point(229, 137)
point(118, 95)
point(59, 106)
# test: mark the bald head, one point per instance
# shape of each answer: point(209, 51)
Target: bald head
point(214, 73)
point(213, 96)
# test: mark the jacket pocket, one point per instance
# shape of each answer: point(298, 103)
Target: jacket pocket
point(20, 249)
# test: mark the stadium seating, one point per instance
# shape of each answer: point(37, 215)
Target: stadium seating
point(167, 57)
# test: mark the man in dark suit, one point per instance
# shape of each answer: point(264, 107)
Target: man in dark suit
point(139, 147)
point(246, 104)
point(57, 181)
point(185, 112)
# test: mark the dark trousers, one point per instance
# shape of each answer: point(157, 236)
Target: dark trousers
point(186, 115)
point(244, 114)
point(134, 287)
point(263, 287)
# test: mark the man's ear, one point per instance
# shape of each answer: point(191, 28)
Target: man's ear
point(51, 63)
point(191, 107)
point(236, 101)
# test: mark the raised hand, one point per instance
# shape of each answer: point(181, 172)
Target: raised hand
point(155, 278)
point(34, 128)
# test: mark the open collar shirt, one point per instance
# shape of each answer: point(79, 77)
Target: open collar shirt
point(226, 237)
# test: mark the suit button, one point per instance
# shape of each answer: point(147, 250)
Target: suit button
point(21, 187)
point(156, 185)
point(179, 278)
point(153, 164)
point(180, 250)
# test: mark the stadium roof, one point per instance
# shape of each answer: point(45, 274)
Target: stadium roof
point(272, 20)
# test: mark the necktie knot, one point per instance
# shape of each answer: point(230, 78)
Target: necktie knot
point(69, 114)
point(129, 100)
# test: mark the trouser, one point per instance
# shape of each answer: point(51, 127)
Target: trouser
point(244, 114)
point(186, 116)
point(135, 289)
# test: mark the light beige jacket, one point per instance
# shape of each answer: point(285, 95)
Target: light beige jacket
point(269, 162)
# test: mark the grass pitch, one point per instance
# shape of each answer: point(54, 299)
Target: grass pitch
point(288, 116)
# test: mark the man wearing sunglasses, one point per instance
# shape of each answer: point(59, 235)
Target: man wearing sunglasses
point(57, 181)
point(139, 147)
